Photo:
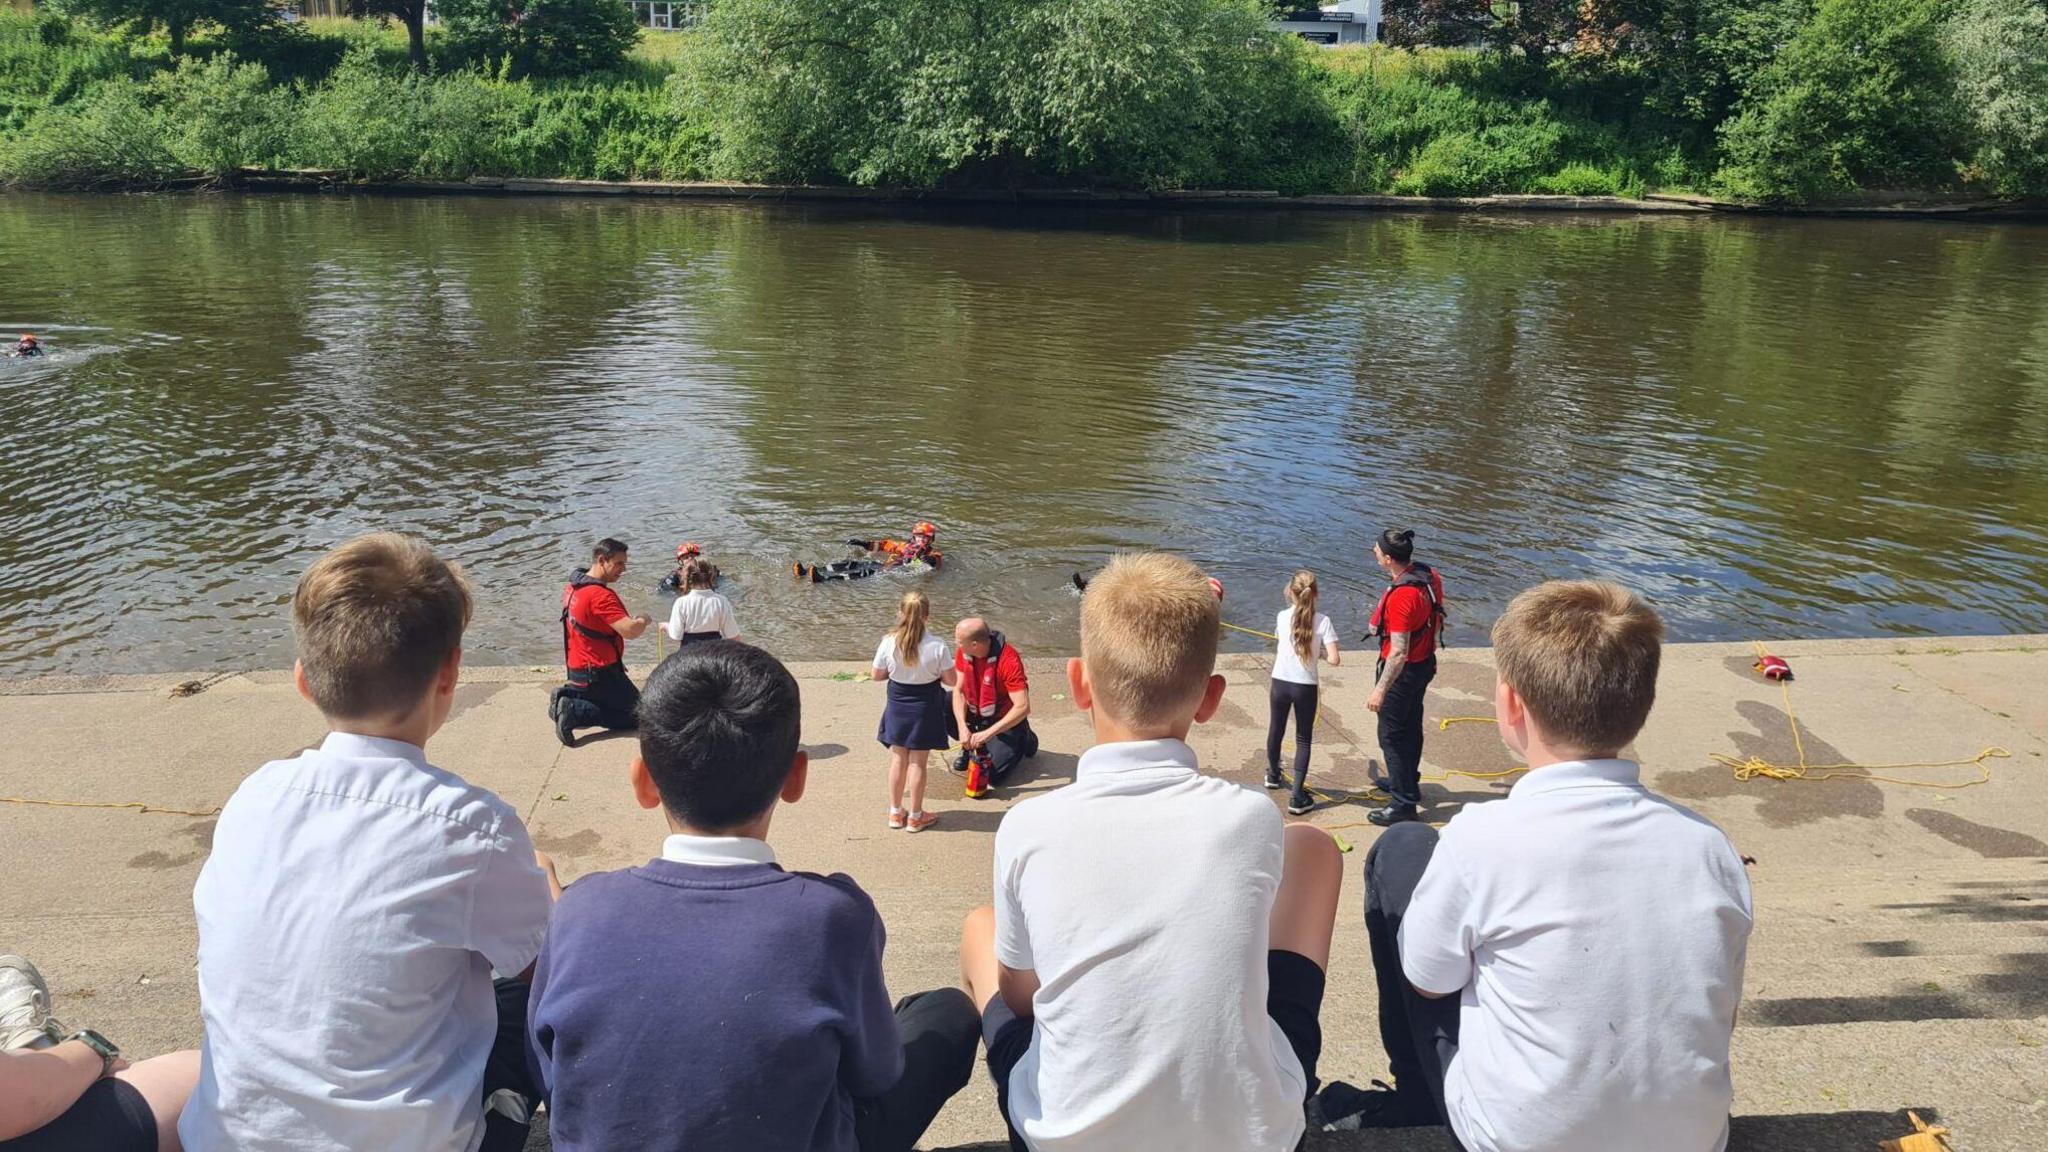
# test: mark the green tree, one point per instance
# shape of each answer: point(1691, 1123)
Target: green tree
point(1862, 97)
point(175, 17)
point(411, 13)
point(541, 37)
point(1999, 51)
point(1702, 55)
point(1532, 28)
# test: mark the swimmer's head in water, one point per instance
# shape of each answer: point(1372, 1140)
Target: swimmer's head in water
point(687, 549)
point(925, 529)
point(28, 339)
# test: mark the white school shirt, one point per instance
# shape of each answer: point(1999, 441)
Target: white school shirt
point(701, 610)
point(355, 904)
point(934, 659)
point(1140, 895)
point(1596, 933)
point(1290, 667)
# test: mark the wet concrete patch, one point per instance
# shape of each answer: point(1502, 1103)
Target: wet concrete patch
point(1787, 803)
point(574, 844)
point(200, 832)
point(1984, 840)
point(468, 696)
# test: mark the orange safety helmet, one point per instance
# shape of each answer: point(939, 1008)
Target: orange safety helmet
point(687, 549)
point(28, 338)
point(925, 528)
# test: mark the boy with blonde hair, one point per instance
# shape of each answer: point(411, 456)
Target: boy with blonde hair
point(1152, 970)
point(1592, 932)
point(358, 898)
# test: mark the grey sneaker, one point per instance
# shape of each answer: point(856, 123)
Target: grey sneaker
point(24, 1004)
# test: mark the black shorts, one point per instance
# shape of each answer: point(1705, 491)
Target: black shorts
point(1294, 1000)
point(111, 1117)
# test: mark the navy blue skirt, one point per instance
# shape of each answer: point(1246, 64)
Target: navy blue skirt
point(916, 717)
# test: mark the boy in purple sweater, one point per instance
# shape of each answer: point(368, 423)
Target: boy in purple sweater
point(709, 999)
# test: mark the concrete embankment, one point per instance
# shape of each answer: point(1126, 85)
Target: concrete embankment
point(1901, 951)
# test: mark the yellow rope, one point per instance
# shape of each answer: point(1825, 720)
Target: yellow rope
point(1751, 767)
point(135, 804)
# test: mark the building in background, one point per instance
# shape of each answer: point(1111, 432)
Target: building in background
point(1345, 22)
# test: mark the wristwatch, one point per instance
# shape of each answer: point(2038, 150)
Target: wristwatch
point(100, 1044)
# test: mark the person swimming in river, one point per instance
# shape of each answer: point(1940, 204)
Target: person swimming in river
point(25, 348)
point(686, 552)
point(886, 555)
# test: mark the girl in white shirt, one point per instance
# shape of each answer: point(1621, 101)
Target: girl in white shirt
point(919, 669)
point(699, 613)
point(1302, 631)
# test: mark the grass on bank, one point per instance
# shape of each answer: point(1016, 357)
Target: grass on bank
point(1084, 96)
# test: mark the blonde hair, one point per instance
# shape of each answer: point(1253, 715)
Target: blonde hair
point(1149, 627)
point(911, 616)
point(1583, 656)
point(1301, 592)
point(375, 619)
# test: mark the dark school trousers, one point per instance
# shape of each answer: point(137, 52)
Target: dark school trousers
point(1300, 700)
point(508, 1069)
point(941, 1032)
point(1420, 1034)
point(601, 698)
point(1401, 729)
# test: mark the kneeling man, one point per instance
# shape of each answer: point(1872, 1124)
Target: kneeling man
point(1561, 969)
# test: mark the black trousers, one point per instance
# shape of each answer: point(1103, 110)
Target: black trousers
point(600, 698)
point(1300, 700)
point(508, 1070)
point(941, 1032)
point(1011, 747)
point(1420, 1034)
point(1401, 729)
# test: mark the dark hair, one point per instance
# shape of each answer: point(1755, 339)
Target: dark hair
point(608, 548)
point(719, 724)
point(1398, 544)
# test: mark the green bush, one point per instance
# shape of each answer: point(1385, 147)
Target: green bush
point(1862, 97)
point(220, 115)
point(366, 119)
point(1578, 179)
point(1999, 51)
point(110, 137)
point(926, 93)
point(46, 60)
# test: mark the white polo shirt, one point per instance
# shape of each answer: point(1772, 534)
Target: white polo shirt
point(355, 903)
point(1140, 895)
point(934, 660)
point(701, 610)
point(1596, 933)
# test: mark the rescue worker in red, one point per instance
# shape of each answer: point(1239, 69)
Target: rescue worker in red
point(894, 554)
point(991, 706)
point(1408, 622)
point(595, 628)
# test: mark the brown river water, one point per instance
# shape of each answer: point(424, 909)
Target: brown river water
point(1773, 427)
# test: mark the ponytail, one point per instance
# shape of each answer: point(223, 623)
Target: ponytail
point(696, 574)
point(910, 620)
point(1301, 592)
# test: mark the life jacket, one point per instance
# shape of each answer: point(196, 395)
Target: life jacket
point(902, 551)
point(979, 717)
point(580, 579)
point(1418, 575)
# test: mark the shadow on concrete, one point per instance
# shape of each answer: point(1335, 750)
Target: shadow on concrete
point(603, 734)
point(1041, 773)
point(2018, 991)
point(1986, 841)
point(825, 751)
